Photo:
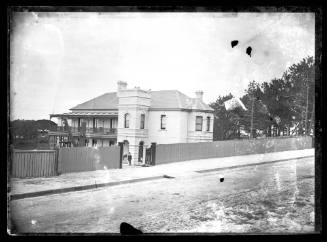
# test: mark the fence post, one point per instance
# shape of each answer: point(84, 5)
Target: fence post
point(121, 146)
point(153, 155)
point(57, 161)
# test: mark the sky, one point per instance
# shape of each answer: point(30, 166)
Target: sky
point(61, 59)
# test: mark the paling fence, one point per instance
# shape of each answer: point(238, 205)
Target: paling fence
point(166, 153)
point(44, 163)
point(76, 159)
point(33, 163)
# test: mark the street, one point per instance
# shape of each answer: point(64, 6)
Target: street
point(276, 197)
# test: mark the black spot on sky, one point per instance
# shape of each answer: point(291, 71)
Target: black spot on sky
point(234, 43)
point(249, 50)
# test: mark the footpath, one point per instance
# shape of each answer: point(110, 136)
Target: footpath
point(77, 181)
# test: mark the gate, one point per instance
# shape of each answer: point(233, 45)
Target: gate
point(150, 154)
point(148, 158)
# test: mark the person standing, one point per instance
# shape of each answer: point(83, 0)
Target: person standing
point(129, 157)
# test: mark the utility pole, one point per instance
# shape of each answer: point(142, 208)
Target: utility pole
point(307, 107)
point(312, 118)
point(251, 130)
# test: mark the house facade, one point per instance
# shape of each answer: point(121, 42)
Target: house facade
point(137, 118)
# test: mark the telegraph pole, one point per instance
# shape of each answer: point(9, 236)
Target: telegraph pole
point(312, 118)
point(251, 130)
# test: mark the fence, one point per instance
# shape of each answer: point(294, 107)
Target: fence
point(78, 159)
point(33, 163)
point(42, 163)
point(166, 153)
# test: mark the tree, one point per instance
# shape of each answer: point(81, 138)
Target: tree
point(226, 125)
point(301, 77)
point(255, 118)
point(24, 133)
point(274, 107)
point(277, 97)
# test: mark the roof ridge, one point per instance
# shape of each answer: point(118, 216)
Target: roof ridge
point(160, 99)
point(164, 90)
point(92, 100)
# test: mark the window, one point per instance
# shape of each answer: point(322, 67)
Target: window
point(198, 123)
point(163, 122)
point(126, 125)
point(208, 123)
point(142, 120)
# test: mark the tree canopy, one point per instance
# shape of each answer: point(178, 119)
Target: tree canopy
point(282, 106)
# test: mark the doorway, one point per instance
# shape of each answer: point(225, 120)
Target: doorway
point(140, 159)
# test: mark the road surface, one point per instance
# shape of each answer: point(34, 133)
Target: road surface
point(276, 197)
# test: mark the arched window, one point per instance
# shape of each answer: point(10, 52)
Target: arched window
point(126, 123)
point(142, 121)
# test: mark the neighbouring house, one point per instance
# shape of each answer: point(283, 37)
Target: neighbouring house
point(137, 118)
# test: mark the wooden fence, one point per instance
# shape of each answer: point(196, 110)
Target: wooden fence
point(43, 163)
point(33, 163)
point(166, 153)
point(76, 159)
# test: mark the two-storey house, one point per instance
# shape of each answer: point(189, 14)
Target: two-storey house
point(137, 117)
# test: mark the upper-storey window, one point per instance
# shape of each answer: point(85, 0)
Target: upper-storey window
point(142, 121)
point(163, 122)
point(208, 123)
point(126, 124)
point(198, 123)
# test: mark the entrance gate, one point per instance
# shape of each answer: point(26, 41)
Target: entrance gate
point(150, 154)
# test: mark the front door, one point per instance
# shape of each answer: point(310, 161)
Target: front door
point(148, 156)
point(141, 152)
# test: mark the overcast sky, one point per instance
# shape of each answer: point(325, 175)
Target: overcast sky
point(59, 60)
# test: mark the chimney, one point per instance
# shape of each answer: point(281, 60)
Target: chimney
point(121, 85)
point(199, 95)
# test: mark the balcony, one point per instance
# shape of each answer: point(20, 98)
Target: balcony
point(98, 131)
point(101, 130)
